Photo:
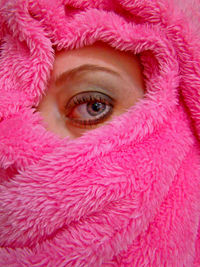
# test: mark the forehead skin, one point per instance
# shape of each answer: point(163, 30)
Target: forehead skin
point(99, 54)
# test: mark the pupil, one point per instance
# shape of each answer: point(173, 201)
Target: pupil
point(96, 106)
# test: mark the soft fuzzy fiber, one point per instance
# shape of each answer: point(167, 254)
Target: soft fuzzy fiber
point(124, 194)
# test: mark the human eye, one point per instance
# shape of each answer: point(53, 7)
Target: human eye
point(88, 109)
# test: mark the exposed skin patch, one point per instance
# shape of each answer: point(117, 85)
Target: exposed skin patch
point(90, 78)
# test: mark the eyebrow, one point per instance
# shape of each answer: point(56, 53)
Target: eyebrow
point(71, 73)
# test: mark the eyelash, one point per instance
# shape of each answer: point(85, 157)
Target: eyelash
point(89, 98)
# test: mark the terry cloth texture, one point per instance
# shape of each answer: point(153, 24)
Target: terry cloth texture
point(126, 193)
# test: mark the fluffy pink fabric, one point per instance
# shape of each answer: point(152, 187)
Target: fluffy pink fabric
point(127, 193)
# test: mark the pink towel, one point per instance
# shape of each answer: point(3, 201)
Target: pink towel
point(126, 193)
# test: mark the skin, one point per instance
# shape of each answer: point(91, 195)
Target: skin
point(97, 79)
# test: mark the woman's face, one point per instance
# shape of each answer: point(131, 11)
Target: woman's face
point(88, 87)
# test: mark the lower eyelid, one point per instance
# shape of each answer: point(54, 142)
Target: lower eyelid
point(91, 122)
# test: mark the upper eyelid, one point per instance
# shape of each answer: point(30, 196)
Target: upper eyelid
point(72, 73)
point(91, 94)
